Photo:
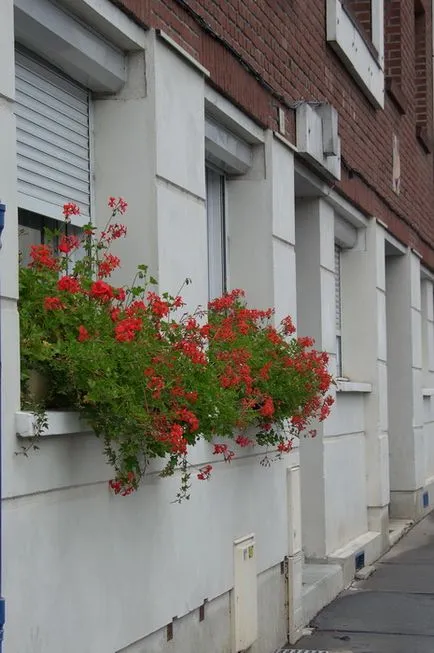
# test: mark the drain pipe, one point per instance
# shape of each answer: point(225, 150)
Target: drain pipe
point(2, 601)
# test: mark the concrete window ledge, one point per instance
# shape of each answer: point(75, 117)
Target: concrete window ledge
point(353, 386)
point(427, 392)
point(59, 423)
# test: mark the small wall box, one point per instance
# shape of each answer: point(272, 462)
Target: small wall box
point(245, 593)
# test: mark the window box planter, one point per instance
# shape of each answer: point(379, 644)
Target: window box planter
point(59, 423)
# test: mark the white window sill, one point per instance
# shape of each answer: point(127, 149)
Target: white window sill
point(427, 392)
point(59, 423)
point(352, 50)
point(353, 386)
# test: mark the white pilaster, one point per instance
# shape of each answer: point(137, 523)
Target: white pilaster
point(407, 450)
point(315, 318)
point(364, 341)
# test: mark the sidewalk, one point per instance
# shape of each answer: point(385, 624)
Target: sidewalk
point(390, 612)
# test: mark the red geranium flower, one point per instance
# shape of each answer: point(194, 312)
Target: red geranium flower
point(102, 291)
point(53, 304)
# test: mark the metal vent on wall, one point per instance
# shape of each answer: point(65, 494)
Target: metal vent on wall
point(53, 141)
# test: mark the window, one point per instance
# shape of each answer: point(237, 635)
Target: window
point(32, 231)
point(362, 12)
point(216, 220)
point(421, 75)
point(53, 139)
point(355, 30)
point(338, 308)
point(53, 150)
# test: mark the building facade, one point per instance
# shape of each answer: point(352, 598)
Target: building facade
point(260, 146)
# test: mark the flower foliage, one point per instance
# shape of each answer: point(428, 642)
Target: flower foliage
point(151, 379)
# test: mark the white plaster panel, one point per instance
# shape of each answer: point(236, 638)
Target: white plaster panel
point(416, 338)
point(419, 457)
point(382, 396)
point(378, 468)
point(8, 196)
point(430, 346)
point(427, 294)
point(249, 225)
point(415, 281)
point(428, 409)
point(347, 415)
point(124, 130)
point(417, 377)
point(380, 255)
point(381, 326)
point(345, 490)
point(308, 270)
point(428, 431)
point(148, 545)
point(285, 290)
point(327, 235)
point(328, 311)
point(180, 121)
point(182, 245)
point(7, 70)
point(282, 170)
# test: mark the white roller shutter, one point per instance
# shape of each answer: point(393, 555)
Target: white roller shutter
point(53, 140)
point(338, 292)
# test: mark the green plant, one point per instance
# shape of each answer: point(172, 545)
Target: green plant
point(150, 379)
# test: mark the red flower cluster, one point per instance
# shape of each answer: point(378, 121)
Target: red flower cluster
point(102, 291)
point(107, 265)
point(158, 306)
point(42, 257)
point(118, 204)
point(70, 284)
point(223, 449)
point(70, 209)
point(284, 446)
point(125, 330)
point(114, 232)
point(83, 334)
point(53, 304)
point(204, 473)
point(187, 416)
point(124, 486)
point(68, 243)
point(243, 441)
point(175, 440)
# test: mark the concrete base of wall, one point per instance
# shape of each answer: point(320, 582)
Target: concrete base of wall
point(213, 633)
point(378, 522)
point(369, 544)
point(412, 504)
point(321, 584)
point(397, 529)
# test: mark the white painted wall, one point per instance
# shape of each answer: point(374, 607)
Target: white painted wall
point(96, 573)
point(334, 495)
point(101, 572)
point(365, 358)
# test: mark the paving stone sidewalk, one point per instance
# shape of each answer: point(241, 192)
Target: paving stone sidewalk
point(390, 612)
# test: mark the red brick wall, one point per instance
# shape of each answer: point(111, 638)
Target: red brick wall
point(265, 54)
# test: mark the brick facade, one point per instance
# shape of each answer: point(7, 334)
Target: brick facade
point(268, 55)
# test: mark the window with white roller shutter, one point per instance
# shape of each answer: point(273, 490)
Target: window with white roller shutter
point(338, 310)
point(53, 140)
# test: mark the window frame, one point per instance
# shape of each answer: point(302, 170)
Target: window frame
point(338, 308)
point(40, 207)
point(350, 45)
point(217, 232)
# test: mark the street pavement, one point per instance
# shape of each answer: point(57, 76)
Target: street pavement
point(390, 612)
